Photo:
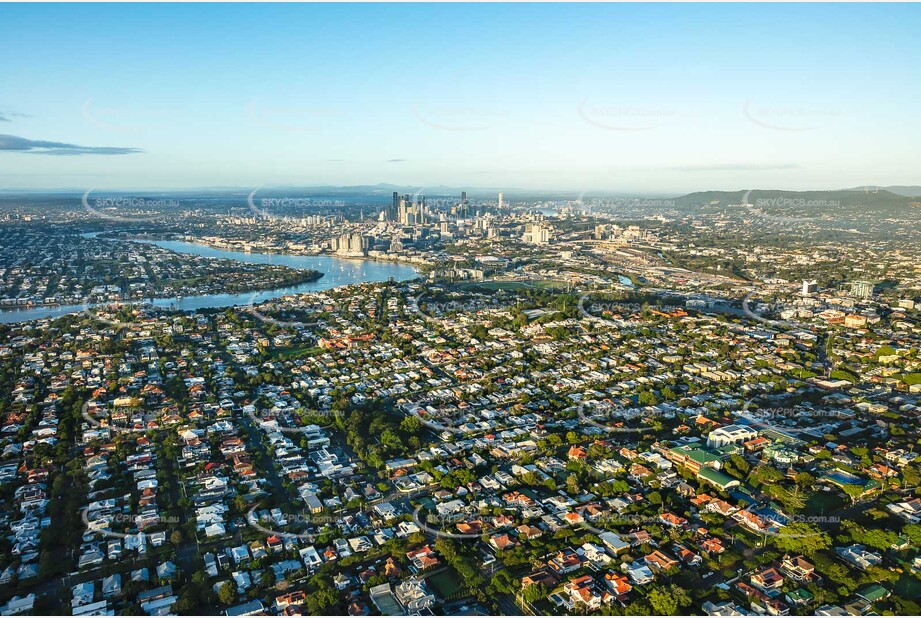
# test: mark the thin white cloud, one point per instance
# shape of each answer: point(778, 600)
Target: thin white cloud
point(7, 116)
point(13, 143)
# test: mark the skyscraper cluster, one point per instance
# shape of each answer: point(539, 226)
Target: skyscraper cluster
point(408, 210)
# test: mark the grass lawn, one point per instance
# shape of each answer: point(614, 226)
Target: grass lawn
point(551, 284)
point(824, 502)
point(908, 586)
point(501, 285)
point(445, 584)
point(289, 353)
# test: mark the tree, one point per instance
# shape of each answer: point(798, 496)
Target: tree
point(320, 602)
point(911, 476)
point(572, 484)
point(455, 478)
point(550, 443)
point(913, 531)
point(227, 593)
point(741, 464)
point(534, 593)
point(637, 607)
point(765, 474)
point(854, 492)
point(504, 582)
point(682, 598)
point(176, 537)
point(802, 538)
point(411, 425)
point(663, 603)
point(792, 499)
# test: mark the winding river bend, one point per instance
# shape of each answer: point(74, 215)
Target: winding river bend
point(336, 272)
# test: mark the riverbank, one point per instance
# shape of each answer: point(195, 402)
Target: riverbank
point(336, 272)
point(307, 276)
point(299, 278)
point(420, 262)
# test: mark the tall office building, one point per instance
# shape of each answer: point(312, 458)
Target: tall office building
point(810, 287)
point(501, 200)
point(412, 212)
point(352, 244)
point(536, 234)
point(395, 209)
point(862, 289)
point(404, 210)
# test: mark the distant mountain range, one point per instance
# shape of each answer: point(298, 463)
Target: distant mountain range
point(868, 200)
point(875, 198)
point(378, 189)
point(897, 189)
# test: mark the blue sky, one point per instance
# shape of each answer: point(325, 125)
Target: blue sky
point(658, 98)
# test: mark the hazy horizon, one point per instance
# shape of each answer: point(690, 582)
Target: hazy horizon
point(385, 188)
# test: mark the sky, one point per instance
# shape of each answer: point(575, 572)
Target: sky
point(653, 98)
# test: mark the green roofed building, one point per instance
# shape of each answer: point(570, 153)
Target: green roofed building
point(840, 478)
point(694, 458)
point(800, 596)
point(728, 450)
point(714, 477)
point(873, 593)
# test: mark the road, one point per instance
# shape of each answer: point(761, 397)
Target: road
point(509, 607)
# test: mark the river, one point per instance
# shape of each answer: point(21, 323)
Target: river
point(336, 272)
